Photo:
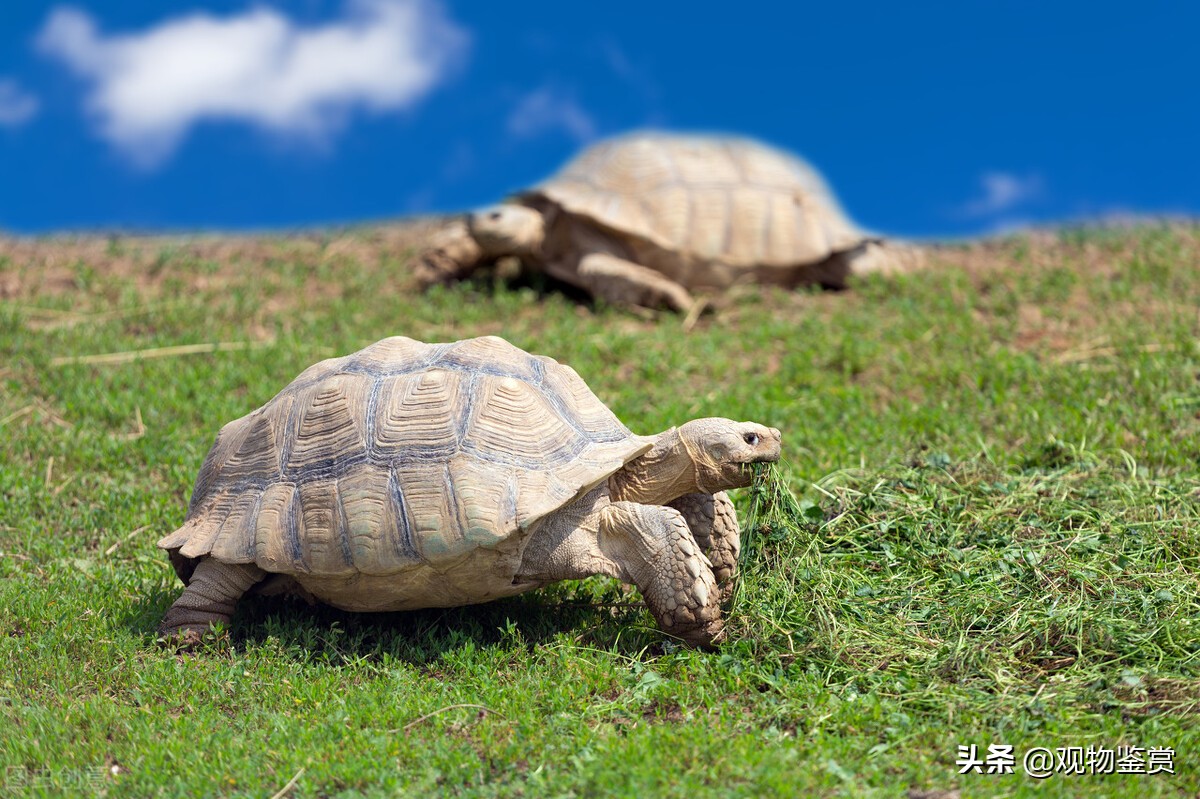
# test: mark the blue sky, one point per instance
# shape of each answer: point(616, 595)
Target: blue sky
point(927, 118)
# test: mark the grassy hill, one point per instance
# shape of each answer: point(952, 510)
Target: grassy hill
point(996, 472)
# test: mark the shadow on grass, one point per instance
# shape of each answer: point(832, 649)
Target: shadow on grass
point(323, 634)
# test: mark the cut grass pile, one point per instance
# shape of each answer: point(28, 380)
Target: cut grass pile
point(985, 533)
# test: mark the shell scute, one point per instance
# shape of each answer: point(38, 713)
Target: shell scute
point(234, 541)
point(575, 403)
point(485, 500)
point(329, 421)
point(276, 542)
point(207, 526)
point(376, 527)
point(512, 423)
point(432, 509)
point(418, 415)
point(489, 355)
point(390, 351)
point(323, 544)
point(257, 455)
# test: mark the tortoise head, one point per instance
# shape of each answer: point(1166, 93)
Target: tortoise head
point(507, 230)
point(452, 253)
point(723, 449)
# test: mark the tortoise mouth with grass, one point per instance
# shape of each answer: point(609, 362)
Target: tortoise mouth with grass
point(411, 475)
point(647, 219)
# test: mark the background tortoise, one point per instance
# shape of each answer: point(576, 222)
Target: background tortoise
point(646, 218)
point(412, 475)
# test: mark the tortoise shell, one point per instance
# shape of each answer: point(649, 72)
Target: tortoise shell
point(402, 456)
point(708, 199)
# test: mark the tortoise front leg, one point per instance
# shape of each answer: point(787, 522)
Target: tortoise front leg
point(625, 283)
point(209, 598)
point(714, 524)
point(654, 549)
point(649, 546)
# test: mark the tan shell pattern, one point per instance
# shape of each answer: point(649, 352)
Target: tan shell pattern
point(399, 455)
point(720, 199)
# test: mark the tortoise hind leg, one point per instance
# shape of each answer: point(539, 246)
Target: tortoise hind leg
point(209, 598)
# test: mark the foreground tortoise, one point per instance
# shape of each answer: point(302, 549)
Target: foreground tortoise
point(645, 219)
point(412, 475)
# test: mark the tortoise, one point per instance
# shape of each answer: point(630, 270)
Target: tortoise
point(411, 475)
point(647, 218)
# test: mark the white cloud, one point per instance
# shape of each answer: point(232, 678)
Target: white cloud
point(550, 109)
point(16, 106)
point(151, 87)
point(1003, 191)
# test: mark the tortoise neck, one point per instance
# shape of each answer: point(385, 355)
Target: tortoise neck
point(663, 474)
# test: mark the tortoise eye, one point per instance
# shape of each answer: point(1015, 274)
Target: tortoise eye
point(751, 438)
point(494, 215)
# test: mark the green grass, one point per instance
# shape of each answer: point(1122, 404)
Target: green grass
point(985, 533)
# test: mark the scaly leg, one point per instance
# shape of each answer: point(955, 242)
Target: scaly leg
point(209, 598)
point(649, 546)
point(714, 525)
